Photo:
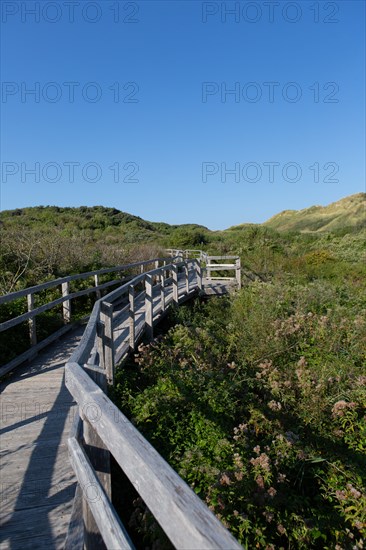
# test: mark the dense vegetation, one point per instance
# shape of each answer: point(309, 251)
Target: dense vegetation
point(258, 401)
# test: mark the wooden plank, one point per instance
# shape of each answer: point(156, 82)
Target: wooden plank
point(220, 267)
point(38, 481)
point(107, 520)
point(184, 517)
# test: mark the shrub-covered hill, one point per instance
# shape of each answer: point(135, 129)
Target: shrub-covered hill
point(349, 212)
point(90, 219)
point(39, 243)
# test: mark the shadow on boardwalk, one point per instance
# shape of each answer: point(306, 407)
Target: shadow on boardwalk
point(37, 481)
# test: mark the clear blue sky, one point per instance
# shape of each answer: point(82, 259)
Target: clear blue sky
point(176, 133)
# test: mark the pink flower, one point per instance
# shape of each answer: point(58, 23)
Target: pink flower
point(341, 406)
point(262, 461)
point(225, 480)
point(275, 405)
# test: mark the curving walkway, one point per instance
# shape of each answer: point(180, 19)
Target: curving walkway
point(37, 482)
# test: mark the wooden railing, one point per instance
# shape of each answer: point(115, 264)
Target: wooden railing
point(213, 264)
point(116, 324)
point(65, 299)
point(101, 429)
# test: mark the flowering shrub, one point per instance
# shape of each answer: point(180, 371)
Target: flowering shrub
point(258, 402)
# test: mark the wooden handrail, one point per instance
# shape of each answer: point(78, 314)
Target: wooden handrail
point(184, 518)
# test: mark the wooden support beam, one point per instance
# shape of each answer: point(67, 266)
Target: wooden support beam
point(238, 272)
point(175, 284)
point(186, 277)
point(32, 321)
point(66, 306)
point(149, 307)
point(108, 343)
point(162, 291)
point(100, 340)
point(96, 283)
point(131, 297)
point(199, 274)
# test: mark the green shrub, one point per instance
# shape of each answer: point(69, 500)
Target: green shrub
point(259, 403)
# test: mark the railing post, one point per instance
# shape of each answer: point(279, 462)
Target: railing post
point(108, 344)
point(238, 272)
point(162, 290)
point(175, 284)
point(208, 269)
point(186, 276)
point(32, 321)
point(156, 277)
point(96, 283)
point(149, 307)
point(131, 297)
point(141, 268)
point(66, 306)
point(100, 345)
point(199, 274)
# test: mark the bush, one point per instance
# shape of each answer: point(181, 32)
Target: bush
point(259, 404)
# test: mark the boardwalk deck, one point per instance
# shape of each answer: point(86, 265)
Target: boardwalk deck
point(37, 480)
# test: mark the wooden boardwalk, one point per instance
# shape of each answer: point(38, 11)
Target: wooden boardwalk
point(37, 481)
point(36, 477)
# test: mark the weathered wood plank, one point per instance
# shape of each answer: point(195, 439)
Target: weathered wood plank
point(38, 482)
